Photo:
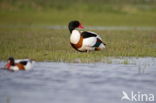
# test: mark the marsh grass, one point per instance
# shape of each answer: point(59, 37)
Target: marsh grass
point(89, 12)
point(53, 45)
point(91, 18)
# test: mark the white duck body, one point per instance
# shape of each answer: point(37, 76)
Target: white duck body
point(88, 43)
point(28, 64)
point(14, 68)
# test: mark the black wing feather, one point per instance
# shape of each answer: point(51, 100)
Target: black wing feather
point(23, 62)
point(86, 34)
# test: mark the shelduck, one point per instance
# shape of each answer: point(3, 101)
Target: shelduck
point(84, 41)
point(16, 65)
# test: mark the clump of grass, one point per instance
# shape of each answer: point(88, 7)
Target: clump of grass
point(53, 45)
point(125, 62)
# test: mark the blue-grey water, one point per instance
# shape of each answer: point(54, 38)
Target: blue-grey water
point(51, 82)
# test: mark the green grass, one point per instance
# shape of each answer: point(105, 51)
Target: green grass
point(53, 45)
point(58, 12)
point(49, 44)
point(92, 18)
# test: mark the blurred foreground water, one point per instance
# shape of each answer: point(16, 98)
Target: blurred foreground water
point(52, 82)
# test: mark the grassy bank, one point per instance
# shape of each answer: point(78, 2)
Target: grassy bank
point(53, 45)
point(90, 12)
point(55, 17)
point(22, 36)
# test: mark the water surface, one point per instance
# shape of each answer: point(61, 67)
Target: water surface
point(51, 82)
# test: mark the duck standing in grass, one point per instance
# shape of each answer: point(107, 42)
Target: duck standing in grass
point(84, 41)
point(16, 65)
